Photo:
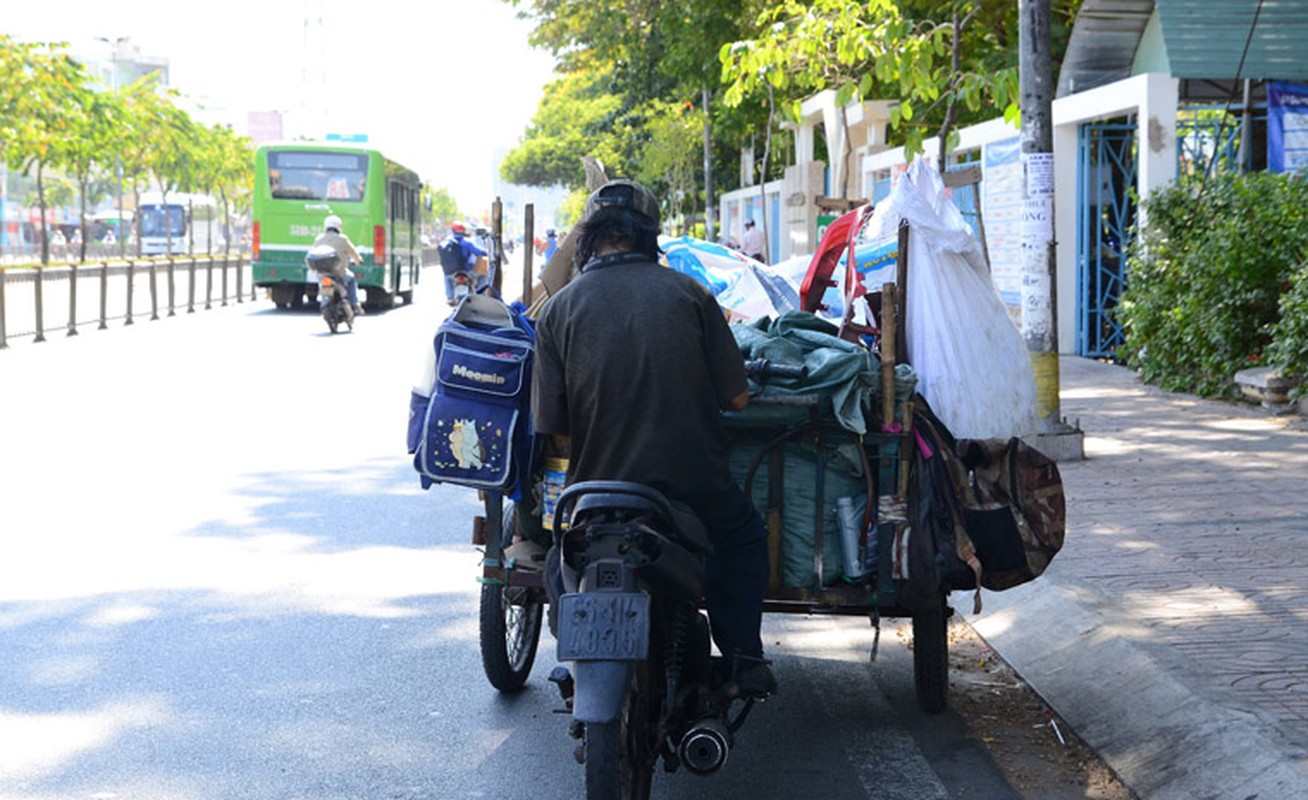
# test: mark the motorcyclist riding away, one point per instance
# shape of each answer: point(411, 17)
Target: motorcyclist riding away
point(458, 254)
point(634, 364)
point(331, 235)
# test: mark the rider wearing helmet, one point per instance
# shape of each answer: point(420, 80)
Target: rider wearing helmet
point(458, 254)
point(634, 364)
point(332, 236)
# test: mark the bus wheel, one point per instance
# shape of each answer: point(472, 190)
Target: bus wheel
point(380, 299)
point(284, 295)
point(407, 297)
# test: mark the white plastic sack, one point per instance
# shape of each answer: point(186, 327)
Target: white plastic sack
point(972, 363)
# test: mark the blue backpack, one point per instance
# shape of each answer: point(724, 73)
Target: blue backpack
point(451, 252)
point(475, 429)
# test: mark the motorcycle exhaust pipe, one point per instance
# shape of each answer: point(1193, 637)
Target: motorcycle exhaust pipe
point(705, 746)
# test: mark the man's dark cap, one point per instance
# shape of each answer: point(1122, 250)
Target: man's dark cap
point(625, 194)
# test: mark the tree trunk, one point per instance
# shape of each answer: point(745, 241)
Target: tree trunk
point(40, 204)
point(763, 179)
point(227, 223)
point(708, 169)
point(136, 218)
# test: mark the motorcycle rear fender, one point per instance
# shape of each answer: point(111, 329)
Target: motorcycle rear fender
point(601, 690)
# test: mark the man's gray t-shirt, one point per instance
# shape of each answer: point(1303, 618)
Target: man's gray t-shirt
point(634, 362)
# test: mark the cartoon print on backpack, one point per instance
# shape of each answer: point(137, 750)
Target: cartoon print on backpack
point(467, 448)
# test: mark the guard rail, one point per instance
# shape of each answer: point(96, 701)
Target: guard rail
point(37, 300)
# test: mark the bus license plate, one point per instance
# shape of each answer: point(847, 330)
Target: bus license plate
point(604, 626)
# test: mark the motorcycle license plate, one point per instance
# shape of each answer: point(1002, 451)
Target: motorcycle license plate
point(604, 626)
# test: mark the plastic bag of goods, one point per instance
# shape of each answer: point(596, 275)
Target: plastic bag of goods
point(972, 363)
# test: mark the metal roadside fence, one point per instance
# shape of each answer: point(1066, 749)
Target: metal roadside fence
point(35, 301)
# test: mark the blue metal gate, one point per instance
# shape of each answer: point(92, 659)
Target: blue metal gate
point(1106, 170)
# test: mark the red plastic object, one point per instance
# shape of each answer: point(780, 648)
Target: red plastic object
point(839, 237)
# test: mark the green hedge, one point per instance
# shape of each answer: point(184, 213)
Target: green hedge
point(1289, 347)
point(1216, 282)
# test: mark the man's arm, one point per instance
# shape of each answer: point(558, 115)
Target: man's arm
point(738, 402)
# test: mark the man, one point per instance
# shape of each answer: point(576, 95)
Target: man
point(634, 364)
point(331, 235)
point(752, 241)
point(458, 254)
point(551, 243)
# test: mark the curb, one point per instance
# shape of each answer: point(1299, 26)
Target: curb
point(1165, 739)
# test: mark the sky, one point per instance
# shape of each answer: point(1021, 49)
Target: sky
point(439, 85)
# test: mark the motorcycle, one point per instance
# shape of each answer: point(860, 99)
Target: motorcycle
point(463, 283)
point(332, 299)
point(629, 568)
point(645, 686)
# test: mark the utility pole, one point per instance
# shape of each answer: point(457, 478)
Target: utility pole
point(1039, 264)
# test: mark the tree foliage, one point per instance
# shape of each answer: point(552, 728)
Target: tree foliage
point(442, 205)
point(52, 117)
point(945, 63)
point(1209, 289)
point(623, 68)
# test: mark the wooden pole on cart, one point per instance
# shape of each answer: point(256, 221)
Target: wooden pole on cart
point(528, 251)
point(497, 246)
point(901, 283)
point(889, 328)
point(906, 450)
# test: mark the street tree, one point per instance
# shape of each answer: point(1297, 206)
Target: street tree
point(141, 139)
point(945, 63)
point(440, 205)
point(40, 88)
point(92, 119)
point(235, 177)
point(221, 167)
point(622, 66)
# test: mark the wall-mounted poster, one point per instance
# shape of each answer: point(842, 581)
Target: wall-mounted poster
point(1002, 194)
point(1287, 127)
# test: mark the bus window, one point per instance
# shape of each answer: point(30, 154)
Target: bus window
point(310, 175)
point(156, 222)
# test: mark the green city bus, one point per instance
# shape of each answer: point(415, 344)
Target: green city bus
point(297, 185)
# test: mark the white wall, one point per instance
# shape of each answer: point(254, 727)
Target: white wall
point(1151, 98)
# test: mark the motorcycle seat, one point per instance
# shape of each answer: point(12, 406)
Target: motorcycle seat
point(681, 521)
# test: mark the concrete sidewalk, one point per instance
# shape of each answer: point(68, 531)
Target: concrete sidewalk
point(1172, 629)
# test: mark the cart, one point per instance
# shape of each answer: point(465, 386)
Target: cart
point(513, 596)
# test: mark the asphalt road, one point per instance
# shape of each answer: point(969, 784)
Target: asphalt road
point(219, 578)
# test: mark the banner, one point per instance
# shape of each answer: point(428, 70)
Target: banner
point(1287, 127)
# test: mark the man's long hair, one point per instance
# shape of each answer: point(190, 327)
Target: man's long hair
point(630, 229)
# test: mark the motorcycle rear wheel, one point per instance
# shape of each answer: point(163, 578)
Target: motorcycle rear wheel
point(510, 626)
point(619, 757)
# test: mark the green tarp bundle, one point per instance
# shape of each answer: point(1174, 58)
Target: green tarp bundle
point(843, 477)
point(843, 376)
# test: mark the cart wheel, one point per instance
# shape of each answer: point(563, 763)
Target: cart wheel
point(931, 658)
point(510, 627)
